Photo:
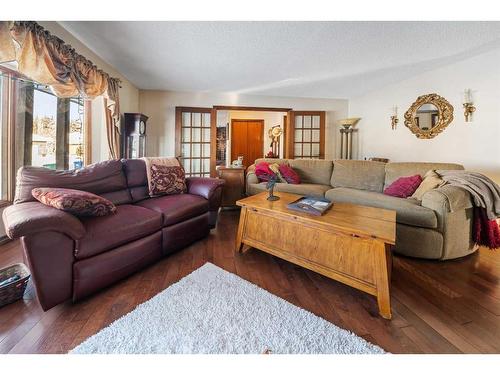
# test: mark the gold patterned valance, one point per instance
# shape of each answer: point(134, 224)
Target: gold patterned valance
point(46, 59)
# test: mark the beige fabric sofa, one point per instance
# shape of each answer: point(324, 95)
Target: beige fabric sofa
point(438, 227)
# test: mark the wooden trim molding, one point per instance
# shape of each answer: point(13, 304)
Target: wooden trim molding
point(243, 108)
point(87, 132)
point(213, 142)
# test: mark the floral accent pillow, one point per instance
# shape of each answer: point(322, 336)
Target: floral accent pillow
point(76, 202)
point(167, 179)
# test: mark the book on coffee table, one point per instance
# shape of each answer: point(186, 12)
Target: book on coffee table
point(310, 205)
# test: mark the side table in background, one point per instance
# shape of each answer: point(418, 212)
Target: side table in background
point(234, 187)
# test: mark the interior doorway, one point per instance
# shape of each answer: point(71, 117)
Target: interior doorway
point(203, 136)
point(247, 140)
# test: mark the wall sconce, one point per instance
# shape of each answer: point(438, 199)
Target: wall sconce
point(394, 118)
point(469, 108)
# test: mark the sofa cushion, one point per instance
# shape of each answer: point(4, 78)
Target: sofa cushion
point(408, 211)
point(396, 170)
point(358, 174)
point(103, 233)
point(313, 190)
point(313, 171)
point(271, 161)
point(137, 178)
point(105, 179)
point(76, 202)
point(176, 208)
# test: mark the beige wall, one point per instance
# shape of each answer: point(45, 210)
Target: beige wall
point(129, 94)
point(473, 144)
point(160, 107)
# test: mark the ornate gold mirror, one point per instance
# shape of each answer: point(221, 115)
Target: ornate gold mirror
point(428, 116)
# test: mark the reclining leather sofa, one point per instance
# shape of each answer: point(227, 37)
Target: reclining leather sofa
point(71, 257)
point(438, 227)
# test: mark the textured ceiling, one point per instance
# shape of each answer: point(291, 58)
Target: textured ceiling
point(302, 59)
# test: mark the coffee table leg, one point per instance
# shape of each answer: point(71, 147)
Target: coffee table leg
point(239, 234)
point(383, 260)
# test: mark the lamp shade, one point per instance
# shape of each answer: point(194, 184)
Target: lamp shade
point(348, 122)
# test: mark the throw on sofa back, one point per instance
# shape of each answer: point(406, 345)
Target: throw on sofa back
point(105, 179)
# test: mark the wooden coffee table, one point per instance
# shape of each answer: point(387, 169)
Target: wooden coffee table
point(349, 243)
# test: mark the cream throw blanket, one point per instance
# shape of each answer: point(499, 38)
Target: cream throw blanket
point(169, 162)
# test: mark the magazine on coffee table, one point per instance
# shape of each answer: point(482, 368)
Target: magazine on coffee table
point(310, 205)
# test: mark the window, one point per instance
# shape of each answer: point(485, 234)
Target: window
point(39, 129)
point(57, 130)
point(43, 130)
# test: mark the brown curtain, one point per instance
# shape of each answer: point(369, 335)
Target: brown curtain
point(46, 59)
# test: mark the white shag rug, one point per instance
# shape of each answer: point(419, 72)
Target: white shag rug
point(214, 311)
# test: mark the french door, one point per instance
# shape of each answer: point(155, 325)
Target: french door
point(195, 140)
point(305, 134)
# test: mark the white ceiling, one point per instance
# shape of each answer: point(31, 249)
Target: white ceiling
point(301, 59)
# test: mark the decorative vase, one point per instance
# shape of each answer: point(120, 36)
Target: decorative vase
point(271, 196)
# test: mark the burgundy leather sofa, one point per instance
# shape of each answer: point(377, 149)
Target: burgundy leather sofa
point(72, 257)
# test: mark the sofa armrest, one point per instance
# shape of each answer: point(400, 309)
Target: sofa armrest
point(447, 198)
point(28, 218)
point(251, 176)
point(453, 208)
point(208, 188)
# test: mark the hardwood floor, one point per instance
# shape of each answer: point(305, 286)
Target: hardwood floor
point(438, 307)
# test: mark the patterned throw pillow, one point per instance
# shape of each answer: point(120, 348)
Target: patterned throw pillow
point(167, 179)
point(404, 187)
point(76, 202)
point(289, 175)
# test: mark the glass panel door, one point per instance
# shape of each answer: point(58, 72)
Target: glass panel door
point(307, 133)
point(194, 140)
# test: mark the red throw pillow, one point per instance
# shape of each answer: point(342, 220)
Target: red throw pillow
point(263, 172)
point(76, 202)
point(289, 174)
point(404, 187)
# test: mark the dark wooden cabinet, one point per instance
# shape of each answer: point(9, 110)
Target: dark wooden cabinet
point(134, 135)
point(234, 187)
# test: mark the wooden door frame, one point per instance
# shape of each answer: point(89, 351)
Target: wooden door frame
point(287, 131)
point(246, 120)
point(216, 108)
point(243, 108)
point(290, 131)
